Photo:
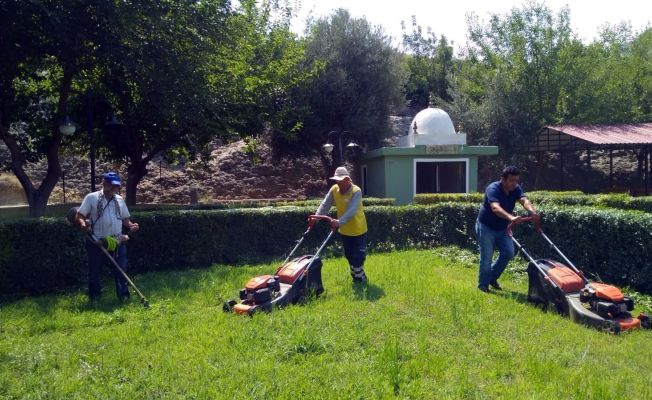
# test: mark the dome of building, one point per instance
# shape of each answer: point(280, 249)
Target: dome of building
point(432, 121)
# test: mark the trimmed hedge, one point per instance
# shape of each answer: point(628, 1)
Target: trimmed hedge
point(542, 198)
point(435, 198)
point(567, 198)
point(366, 201)
point(41, 255)
point(59, 210)
point(38, 256)
point(252, 203)
point(255, 203)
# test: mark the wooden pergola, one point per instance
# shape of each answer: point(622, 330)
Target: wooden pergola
point(567, 138)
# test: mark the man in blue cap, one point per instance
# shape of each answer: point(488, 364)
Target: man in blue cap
point(104, 213)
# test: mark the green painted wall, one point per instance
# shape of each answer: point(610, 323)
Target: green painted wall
point(375, 177)
point(399, 178)
point(473, 174)
point(390, 170)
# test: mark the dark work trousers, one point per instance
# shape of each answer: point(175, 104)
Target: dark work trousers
point(355, 252)
point(96, 259)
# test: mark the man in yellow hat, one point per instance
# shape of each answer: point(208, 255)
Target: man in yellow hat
point(350, 221)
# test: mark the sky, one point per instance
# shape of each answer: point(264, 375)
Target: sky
point(449, 18)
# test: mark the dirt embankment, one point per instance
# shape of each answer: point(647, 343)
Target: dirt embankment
point(232, 173)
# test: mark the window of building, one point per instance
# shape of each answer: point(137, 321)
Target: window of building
point(441, 176)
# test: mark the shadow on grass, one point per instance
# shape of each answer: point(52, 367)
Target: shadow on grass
point(153, 285)
point(367, 291)
point(510, 294)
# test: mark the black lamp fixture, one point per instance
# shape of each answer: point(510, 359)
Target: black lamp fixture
point(67, 127)
point(351, 148)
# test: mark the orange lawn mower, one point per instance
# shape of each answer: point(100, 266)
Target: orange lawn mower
point(291, 283)
point(564, 287)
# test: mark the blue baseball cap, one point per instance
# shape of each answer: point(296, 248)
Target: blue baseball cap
point(112, 178)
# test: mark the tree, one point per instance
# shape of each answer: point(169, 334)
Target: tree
point(45, 46)
point(268, 68)
point(358, 82)
point(429, 66)
point(616, 79)
point(178, 74)
point(522, 51)
point(167, 77)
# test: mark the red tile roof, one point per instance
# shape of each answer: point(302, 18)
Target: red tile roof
point(608, 134)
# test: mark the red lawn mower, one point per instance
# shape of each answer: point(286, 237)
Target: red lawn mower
point(564, 286)
point(292, 281)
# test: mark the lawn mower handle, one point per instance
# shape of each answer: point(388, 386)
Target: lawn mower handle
point(537, 225)
point(312, 220)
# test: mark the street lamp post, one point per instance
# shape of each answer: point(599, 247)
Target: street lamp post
point(67, 128)
point(91, 139)
point(328, 146)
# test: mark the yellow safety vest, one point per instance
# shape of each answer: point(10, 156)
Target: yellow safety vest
point(357, 225)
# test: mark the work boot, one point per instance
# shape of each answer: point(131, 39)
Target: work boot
point(483, 289)
point(123, 295)
point(494, 284)
point(358, 274)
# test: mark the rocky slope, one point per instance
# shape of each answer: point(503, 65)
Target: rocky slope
point(231, 174)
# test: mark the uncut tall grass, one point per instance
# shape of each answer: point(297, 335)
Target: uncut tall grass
point(419, 330)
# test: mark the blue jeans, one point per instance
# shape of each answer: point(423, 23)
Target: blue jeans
point(97, 258)
point(488, 240)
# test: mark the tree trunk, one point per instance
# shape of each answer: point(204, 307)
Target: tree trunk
point(38, 203)
point(38, 198)
point(135, 173)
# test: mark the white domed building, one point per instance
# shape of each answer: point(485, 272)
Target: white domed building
point(431, 158)
point(431, 126)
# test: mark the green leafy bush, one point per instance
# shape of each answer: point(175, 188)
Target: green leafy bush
point(544, 198)
point(255, 203)
point(434, 198)
point(366, 201)
point(556, 193)
point(43, 255)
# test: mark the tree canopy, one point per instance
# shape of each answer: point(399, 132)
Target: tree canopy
point(183, 74)
point(356, 84)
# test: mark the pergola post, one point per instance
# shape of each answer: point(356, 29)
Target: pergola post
point(611, 168)
point(588, 163)
point(561, 169)
point(649, 169)
point(646, 153)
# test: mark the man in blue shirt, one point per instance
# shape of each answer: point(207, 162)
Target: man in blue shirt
point(500, 198)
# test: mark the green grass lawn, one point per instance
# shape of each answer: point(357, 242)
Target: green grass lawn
point(419, 330)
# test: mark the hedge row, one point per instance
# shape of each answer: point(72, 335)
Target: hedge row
point(621, 201)
point(42, 255)
point(256, 203)
point(436, 198)
point(58, 210)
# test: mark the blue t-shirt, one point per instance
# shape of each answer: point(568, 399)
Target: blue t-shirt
point(494, 194)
